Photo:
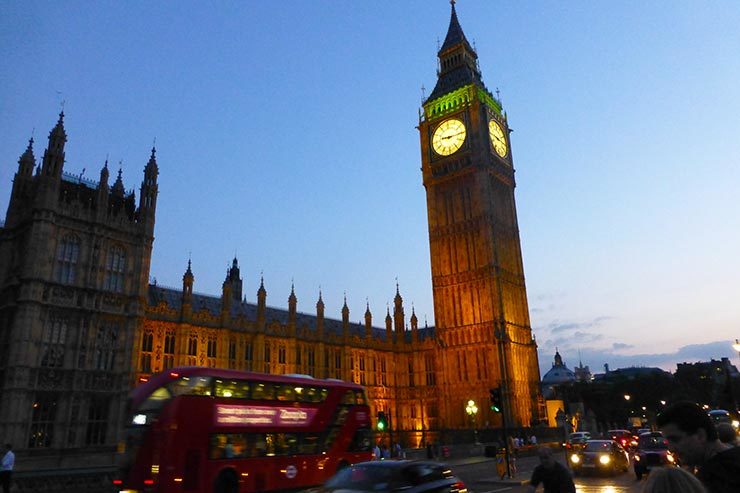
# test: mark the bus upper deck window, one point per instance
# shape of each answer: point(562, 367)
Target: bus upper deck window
point(236, 389)
point(191, 386)
point(286, 392)
point(263, 391)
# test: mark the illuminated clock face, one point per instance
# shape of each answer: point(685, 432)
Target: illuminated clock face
point(498, 140)
point(448, 137)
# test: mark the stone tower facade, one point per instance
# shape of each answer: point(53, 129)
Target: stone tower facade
point(480, 299)
point(74, 270)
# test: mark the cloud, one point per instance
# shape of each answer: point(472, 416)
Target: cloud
point(555, 327)
point(620, 345)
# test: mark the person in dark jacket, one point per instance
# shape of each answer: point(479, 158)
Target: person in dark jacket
point(692, 436)
point(553, 475)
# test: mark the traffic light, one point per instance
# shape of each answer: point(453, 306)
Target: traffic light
point(382, 421)
point(496, 405)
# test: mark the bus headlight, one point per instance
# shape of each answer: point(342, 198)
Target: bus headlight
point(605, 459)
point(139, 419)
point(575, 459)
point(735, 424)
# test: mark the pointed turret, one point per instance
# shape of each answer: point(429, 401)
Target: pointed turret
point(368, 321)
point(398, 315)
point(149, 189)
point(234, 280)
point(53, 161)
point(27, 162)
point(345, 317)
point(187, 292)
point(458, 61)
point(320, 316)
point(292, 305)
point(118, 189)
point(388, 324)
point(414, 325)
point(261, 302)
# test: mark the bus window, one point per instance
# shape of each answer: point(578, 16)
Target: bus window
point(236, 389)
point(316, 395)
point(263, 391)
point(310, 443)
point(360, 397)
point(286, 392)
point(362, 441)
point(191, 386)
point(348, 397)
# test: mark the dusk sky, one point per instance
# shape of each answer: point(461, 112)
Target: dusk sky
point(285, 134)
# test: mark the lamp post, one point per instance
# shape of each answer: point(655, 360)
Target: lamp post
point(472, 411)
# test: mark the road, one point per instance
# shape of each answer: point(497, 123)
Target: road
point(480, 477)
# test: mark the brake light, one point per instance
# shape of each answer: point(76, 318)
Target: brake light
point(117, 481)
point(459, 486)
point(148, 481)
point(174, 374)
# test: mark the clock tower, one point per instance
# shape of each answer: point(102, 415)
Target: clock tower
point(480, 299)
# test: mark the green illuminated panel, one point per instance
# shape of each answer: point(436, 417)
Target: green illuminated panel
point(459, 98)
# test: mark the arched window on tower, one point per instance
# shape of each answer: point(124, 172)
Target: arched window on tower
point(105, 347)
point(147, 343)
point(54, 342)
point(169, 349)
point(68, 252)
point(193, 350)
point(115, 268)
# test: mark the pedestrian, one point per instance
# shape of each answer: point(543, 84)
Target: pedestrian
point(397, 450)
point(385, 453)
point(726, 433)
point(672, 480)
point(533, 440)
point(692, 436)
point(553, 475)
point(6, 467)
point(376, 452)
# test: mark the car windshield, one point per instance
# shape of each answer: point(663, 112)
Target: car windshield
point(601, 446)
point(362, 477)
point(653, 443)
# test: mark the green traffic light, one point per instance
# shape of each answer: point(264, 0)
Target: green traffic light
point(381, 426)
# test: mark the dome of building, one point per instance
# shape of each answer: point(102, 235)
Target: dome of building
point(559, 373)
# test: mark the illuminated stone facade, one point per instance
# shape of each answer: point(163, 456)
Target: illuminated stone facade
point(480, 299)
point(81, 324)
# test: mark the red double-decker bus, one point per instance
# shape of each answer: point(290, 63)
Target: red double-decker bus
point(201, 429)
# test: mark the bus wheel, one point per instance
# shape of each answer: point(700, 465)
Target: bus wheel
point(226, 482)
point(342, 464)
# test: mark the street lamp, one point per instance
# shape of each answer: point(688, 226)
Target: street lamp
point(627, 397)
point(472, 411)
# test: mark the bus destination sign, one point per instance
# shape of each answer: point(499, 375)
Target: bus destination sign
point(234, 415)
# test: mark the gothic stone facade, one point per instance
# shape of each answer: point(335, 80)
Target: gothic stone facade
point(80, 324)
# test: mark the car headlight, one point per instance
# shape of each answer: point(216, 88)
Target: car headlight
point(637, 458)
point(735, 423)
point(575, 459)
point(139, 419)
point(605, 459)
point(670, 458)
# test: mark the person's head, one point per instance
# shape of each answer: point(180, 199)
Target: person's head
point(672, 480)
point(689, 430)
point(546, 457)
point(726, 433)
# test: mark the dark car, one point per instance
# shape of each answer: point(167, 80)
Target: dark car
point(625, 438)
point(577, 440)
point(652, 451)
point(402, 475)
point(599, 456)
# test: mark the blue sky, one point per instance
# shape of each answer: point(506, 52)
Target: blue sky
point(286, 134)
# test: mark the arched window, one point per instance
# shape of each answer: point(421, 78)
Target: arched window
point(105, 347)
point(54, 342)
point(68, 252)
point(147, 343)
point(115, 268)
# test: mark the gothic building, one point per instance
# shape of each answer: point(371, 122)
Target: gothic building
point(80, 324)
point(74, 267)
